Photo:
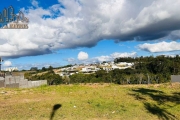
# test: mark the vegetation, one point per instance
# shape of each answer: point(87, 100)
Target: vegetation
point(146, 70)
point(65, 66)
point(160, 64)
point(49, 75)
point(92, 102)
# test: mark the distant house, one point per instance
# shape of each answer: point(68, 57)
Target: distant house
point(125, 64)
point(107, 68)
point(34, 68)
point(11, 69)
point(89, 69)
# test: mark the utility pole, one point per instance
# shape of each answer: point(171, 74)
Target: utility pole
point(1, 74)
point(1, 60)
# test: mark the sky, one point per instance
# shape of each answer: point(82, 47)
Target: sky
point(65, 32)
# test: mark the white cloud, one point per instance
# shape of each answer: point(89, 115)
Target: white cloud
point(115, 55)
point(82, 56)
point(84, 23)
point(160, 47)
point(7, 63)
point(27, 66)
point(111, 57)
point(70, 59)
point(104, 58)
point(34, 3)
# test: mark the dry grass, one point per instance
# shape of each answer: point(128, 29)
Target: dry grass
point(88, 102)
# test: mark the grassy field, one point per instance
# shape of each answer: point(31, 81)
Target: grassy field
point(91, 102)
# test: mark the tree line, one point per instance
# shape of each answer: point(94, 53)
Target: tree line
point(146, 70)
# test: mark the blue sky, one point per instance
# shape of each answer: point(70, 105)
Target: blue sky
point(65, 32)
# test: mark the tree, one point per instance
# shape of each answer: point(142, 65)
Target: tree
point(104, 62)
point(52, 78)
point(66, 79)
point(140, 76)
point(56, 79)
point(43, 69)
point(50, 68)
point(127, 77)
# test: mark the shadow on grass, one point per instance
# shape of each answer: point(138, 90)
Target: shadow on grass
point(161, 113)
point(160, 98)
point(55, 108)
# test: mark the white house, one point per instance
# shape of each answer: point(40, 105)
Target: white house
point(11, 69)
point(90, 69)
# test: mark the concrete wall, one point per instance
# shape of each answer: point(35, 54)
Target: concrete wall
point(1, 78)
point(2, 83)
point(14, 85)
point(23, 83)
point(175, 78)
point(36, 83)
point(20, 82)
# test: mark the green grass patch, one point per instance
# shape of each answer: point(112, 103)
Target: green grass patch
point(91, 102)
